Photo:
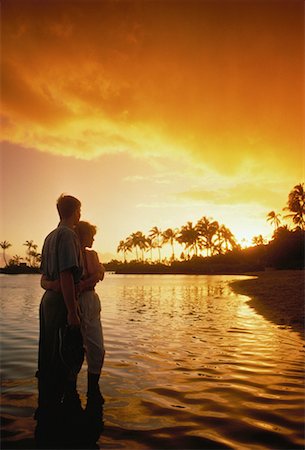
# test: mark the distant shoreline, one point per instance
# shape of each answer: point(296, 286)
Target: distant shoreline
point(19, 270)
point(278, 295)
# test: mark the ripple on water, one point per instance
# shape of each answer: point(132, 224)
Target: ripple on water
point(188, 366)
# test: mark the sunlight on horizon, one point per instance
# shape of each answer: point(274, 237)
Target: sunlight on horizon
point(153, 114)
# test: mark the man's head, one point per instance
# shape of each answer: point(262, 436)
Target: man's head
point(68, 207)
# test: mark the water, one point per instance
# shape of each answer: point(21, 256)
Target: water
point(189, 365)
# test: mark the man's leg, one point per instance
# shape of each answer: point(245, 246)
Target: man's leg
point(51, 373)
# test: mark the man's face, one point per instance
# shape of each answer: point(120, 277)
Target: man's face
point(77, 216)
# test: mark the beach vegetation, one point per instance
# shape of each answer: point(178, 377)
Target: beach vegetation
point(5, 245)
point(274, 219)
point(296, 206)
point(258, 240)
point(169, 236)
point(33, 257)
point(210, 247)
point(16, 260)
point(205, 247)
point(156, 235)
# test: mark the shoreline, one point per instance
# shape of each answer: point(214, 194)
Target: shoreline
point(277, 295)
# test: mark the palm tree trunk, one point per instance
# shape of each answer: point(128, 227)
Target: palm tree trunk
point(4, 257)
point(173, 253)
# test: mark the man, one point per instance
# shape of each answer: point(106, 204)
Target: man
point(62, 261)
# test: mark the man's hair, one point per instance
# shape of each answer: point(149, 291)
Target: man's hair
point(67, 205)
point(84, 229)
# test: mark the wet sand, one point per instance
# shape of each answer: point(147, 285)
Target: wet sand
point(277, 295)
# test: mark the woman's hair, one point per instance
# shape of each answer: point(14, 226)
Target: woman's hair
point(84, 229)
point(67, 205)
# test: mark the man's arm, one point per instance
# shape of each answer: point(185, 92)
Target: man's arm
point(89, 283)
point(49, 285)
point(69, 294)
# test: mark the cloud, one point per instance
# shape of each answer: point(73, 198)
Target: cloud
point(242, 193)
point(152, 79)
point(158, 178)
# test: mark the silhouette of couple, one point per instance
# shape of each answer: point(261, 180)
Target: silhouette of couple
point(70, 326)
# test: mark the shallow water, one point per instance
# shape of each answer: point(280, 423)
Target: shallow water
point(189, 365)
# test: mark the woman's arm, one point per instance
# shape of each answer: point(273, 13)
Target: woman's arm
point(95, 269)
point(94, 265)
point(99, 268)
point(101, 271)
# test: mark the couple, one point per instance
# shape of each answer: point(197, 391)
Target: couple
point(69, 315)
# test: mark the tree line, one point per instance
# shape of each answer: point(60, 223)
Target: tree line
point(32, 258)
point(207, 237)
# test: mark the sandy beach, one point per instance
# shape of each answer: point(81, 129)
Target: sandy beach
point(277, 295)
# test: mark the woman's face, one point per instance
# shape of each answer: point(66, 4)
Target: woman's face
point(87, 240)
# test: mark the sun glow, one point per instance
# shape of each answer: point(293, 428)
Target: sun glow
point(153, 113)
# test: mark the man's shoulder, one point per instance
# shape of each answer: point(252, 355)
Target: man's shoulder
point(66, 231)
point(61, 232)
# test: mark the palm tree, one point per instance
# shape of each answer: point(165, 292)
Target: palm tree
point(274, 219)
point(296, 205)
point(156, 234)
point(189, 237)
point(228, 238)
point(121, 248)
point(138, 240)
point(143, 243)
point(224, 240)
point(5, 245)
point(15, 260)
point(30, 252)
point(258, 240)
point(169, 235)
point(150, 246)
point(207, 231)
point(35, 257)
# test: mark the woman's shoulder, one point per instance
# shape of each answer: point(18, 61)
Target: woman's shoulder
point(90, 252)
point(91, 255)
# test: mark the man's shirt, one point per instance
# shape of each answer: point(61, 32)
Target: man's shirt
point(61, 251)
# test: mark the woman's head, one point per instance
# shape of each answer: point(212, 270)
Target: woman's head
point(86, 233)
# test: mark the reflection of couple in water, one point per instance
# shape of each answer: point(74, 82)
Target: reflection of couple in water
point(69, 325)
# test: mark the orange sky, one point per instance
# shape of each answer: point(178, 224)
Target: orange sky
point(152, 112)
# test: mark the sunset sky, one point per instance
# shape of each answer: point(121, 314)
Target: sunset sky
point(152, 113)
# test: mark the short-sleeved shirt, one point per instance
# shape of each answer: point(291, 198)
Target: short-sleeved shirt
point(61, 251)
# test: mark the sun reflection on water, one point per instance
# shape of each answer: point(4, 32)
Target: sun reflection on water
point(189, 365)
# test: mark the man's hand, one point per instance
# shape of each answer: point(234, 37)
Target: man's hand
point(73, 319)
point(69, 294)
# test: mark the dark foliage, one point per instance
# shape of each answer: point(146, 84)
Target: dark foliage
point(286, 250)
